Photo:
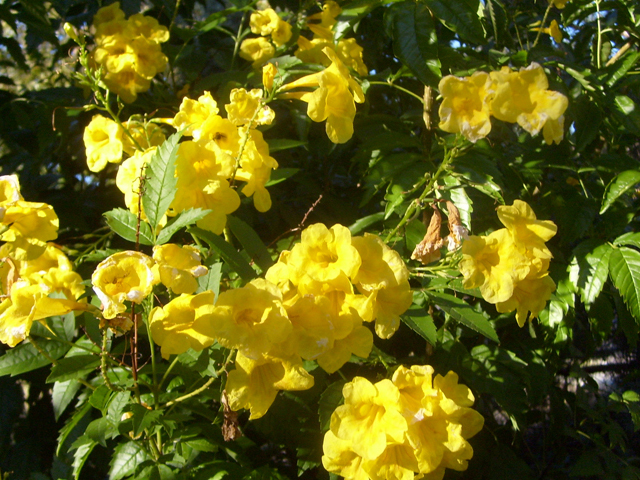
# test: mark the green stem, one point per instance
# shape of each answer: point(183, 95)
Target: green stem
point(237, 39)
point(544, 20)
point(599, 45)
point(103, 363)
point(54, 362)
point(398, 87)
point(192, 394)
point(166, 374)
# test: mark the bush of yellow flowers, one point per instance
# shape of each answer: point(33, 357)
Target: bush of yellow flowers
point(319, 240)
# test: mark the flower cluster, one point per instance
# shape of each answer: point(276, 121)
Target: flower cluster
point(311, 306)
point(394, 429)
point(266, 23)
point(128, 50)
point(511, 264)
point(520, 97)
point(30, 268)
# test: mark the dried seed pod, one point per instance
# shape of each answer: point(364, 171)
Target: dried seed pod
point(428, 250)
point(457, 231)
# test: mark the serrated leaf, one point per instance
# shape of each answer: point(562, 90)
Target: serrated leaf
point(594, 269)
point(99, 429)
point(328, 402)
point(211, 281)
point(125, 224)
point(125, 459)
point(624, 269)
point(235, 261)
point(62, 395)
point(160, 180)
point(73, 367)
point(415, 43)
point(186, 218)
point(463, 313)
point(80, 456)
point(71, 424)
point(251, 242)
point(25, 357)
point(631, 238)
point(622, 67)
point(421, 322)
point(618, 186)
point(461, 16)
point(143, 418)
point(116, 405)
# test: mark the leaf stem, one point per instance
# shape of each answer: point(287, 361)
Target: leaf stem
point(398, 87)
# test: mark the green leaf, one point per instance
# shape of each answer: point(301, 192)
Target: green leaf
point(415, 43)
point(458, 196)
point(81, 454)
point(25, 357)
point(125, 223)
point(627, 112)
point(186, 218)
point(71, 425)
point(587, 121)
point(359, 225)
point(620, 68)
point(594, 269)
point(421, 322)
point(463, 313)
point(278, 144)
point(618, 186)
point(100, 430)
point(624, 269)
point(329, 401)
point(143, 418)
point(211, 281)
point(460, 16)
point(73, 367)
point(280, 175)
point(631, 238)
point(126, 457)
point(116, 405)
point(236, 261)
point(251, 242)
point(62, 395)
point(351, 14)
point(160, 180)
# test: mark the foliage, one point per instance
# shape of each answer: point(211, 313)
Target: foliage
point(379, 117)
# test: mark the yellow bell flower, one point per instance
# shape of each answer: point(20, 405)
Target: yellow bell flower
point(30, 226)
point(281, 34)
point(27, 303)
point(311, 51)
point(358, 342)
point(251, 319)
point(255, 383)
point(264, 22)
point(257, 50)
point(339, 458)
point(148, 28)
point(9, 192)
point(465, 106)
point(333, 100)
point(559, 4)
point(127, 84)
point(178, 325)
point(107, 14)
point(123, 276)
point(220, 131)
point(529, 298)
point(553, 130)
point(269, 72)
point(255, 168)
point(179, 266)
point(194, 113)
point(523, 97)
point(351, 55)
point(103, 143)
point(245, 107)
point(128, 179)
point(526, 229)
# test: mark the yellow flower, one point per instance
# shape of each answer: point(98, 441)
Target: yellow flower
point(127, 84)
point(553, 130)
point(123, 276)
point(269, 72)
point(128, 178)
point(529, 298)
point(109, 13)
point(465, 106)
point(324, 255)
point(178, 325)
point(255, 168)
point(333, 100)
point(255, 383)
point(26, 304)
point(327, 19)
point(559, 4)
point(257, 50)
point(246, 107)
point(30, 226)
point(179, 267)
point(527, 230)
point(523, 97)
point(103, 143)
point(339, 458)
point(220, 131)
point(311, 51)
point(281, 34)
point(264, 22)
point(148, 28)
point(351, 55)
point(369, 418)
point(194, 113)
point(251, 319)
point(9, 192)
point(554, 31)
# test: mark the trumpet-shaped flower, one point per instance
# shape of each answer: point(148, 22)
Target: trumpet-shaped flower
point(194, 113)
point(123, 276)
point(9, 192)
point(246, 107)
point(182, 324)
point(30, 226)
point(281, 34)
point(103, 143)
point(179, 267)
point(465, 106)
point(257, 50)
point(523, 97)
point(264, 22)
point(351, 55)
point(333, 100)
point(255, 383)
point(128, 178)
point(251, 319)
